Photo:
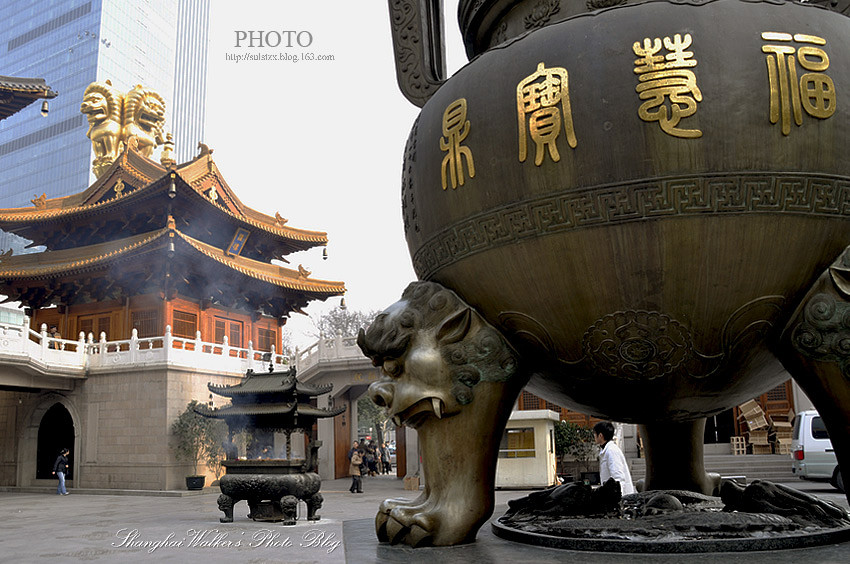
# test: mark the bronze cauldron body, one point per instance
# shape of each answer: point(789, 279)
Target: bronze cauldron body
point(638, 197)
point(640, 211)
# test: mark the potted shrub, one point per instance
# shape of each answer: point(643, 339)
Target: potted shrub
point(575, 442)
point(196, 439)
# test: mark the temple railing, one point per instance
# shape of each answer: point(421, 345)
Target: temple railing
point(21, 345)
point(329, 349)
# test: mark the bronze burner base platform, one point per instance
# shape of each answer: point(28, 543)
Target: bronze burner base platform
point(696, 532)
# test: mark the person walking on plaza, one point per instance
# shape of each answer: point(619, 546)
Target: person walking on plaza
point(354, 470)
point(385, 459)
point(59, 469)
point(612, 463)
point(371, 459)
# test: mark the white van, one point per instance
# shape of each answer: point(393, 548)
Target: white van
point(811, 450)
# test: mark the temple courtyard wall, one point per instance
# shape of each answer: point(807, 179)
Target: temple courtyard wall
point(121, 428)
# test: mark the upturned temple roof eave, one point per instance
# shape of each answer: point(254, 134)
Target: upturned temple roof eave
point(131, 163)
point(258, 383)
point(80, 205)
point(303, 409)
point(50, 264)
point(271, 383)
point(19, 92)
point(194, 172)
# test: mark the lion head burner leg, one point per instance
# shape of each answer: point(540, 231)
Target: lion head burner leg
point(452, 377)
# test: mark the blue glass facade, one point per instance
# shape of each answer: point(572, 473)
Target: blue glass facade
point(71, 43)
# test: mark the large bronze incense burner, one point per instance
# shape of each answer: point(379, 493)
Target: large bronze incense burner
point(649, 201)
point(260, 405)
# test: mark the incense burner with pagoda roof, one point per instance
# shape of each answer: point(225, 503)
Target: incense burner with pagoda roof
point(263, 403)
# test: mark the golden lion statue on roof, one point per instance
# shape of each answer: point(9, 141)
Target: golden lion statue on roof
point(144, 118)
point(103, 105)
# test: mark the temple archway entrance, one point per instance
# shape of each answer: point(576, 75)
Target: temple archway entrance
point(55, 432)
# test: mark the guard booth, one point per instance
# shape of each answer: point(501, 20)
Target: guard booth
point(527, 450)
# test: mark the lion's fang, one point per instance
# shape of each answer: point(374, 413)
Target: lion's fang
point(437, 411)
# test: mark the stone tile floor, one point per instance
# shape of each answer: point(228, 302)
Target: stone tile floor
point(43, 527)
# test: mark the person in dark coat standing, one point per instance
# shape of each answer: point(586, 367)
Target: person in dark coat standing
point(60, 467)
point(354, 470)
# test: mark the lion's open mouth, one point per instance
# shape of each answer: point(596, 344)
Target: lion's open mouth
point(417, 413)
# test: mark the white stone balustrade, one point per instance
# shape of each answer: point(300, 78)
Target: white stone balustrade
point(39, 352)
point(329, 349)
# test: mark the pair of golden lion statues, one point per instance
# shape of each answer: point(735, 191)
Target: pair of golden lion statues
point(114, 118)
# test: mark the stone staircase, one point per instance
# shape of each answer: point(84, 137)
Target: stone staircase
point(773, 467)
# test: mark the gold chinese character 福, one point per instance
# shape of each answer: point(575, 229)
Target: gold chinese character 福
point(813, 91)
point(455, 129)
point(664, 78)
point(538, 97)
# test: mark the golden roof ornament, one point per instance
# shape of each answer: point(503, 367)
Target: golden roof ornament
point(203, 150)
point(167, 157)
point(279, 220)
point(303, 272)
point(40, 202)
point(119, 188)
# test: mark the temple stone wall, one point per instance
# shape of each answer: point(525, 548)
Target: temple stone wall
point(122, 422)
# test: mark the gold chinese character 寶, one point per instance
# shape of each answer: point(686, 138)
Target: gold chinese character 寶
point(813, 91)
point(455, 129)
point(538, 97)
point(664, 78)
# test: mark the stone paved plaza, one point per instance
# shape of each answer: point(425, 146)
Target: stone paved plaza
point(39, 526)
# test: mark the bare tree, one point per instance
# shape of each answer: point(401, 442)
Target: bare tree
point(370, 415)
point(343, 322)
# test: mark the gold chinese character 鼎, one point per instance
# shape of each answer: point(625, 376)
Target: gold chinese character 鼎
point(538, 97)
point(664, 78)
point(455, 129)
point(813, 91)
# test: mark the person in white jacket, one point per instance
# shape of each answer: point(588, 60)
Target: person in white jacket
point(612, 463)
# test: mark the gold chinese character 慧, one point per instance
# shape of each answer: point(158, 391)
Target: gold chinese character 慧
point(455, 129)
point(537, 98)
point(664, 78)
point(813, 91)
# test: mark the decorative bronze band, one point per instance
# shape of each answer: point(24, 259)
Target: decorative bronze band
point(793, 193)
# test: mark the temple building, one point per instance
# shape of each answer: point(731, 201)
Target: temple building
point(154, 281)
point(147, 246)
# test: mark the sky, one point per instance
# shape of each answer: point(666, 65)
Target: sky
point(320, 139)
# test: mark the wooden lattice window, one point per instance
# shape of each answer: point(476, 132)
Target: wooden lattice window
point(185, 324)
point(95, 325)
point(265, 339)
point(530, 401)
point(146, 322)
point(778, 393)
point(235, 337)
point(231, 328)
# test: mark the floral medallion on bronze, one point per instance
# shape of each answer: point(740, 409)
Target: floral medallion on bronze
point(637, 345)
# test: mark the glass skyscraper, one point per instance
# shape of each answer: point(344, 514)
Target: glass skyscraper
point(161, 44)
